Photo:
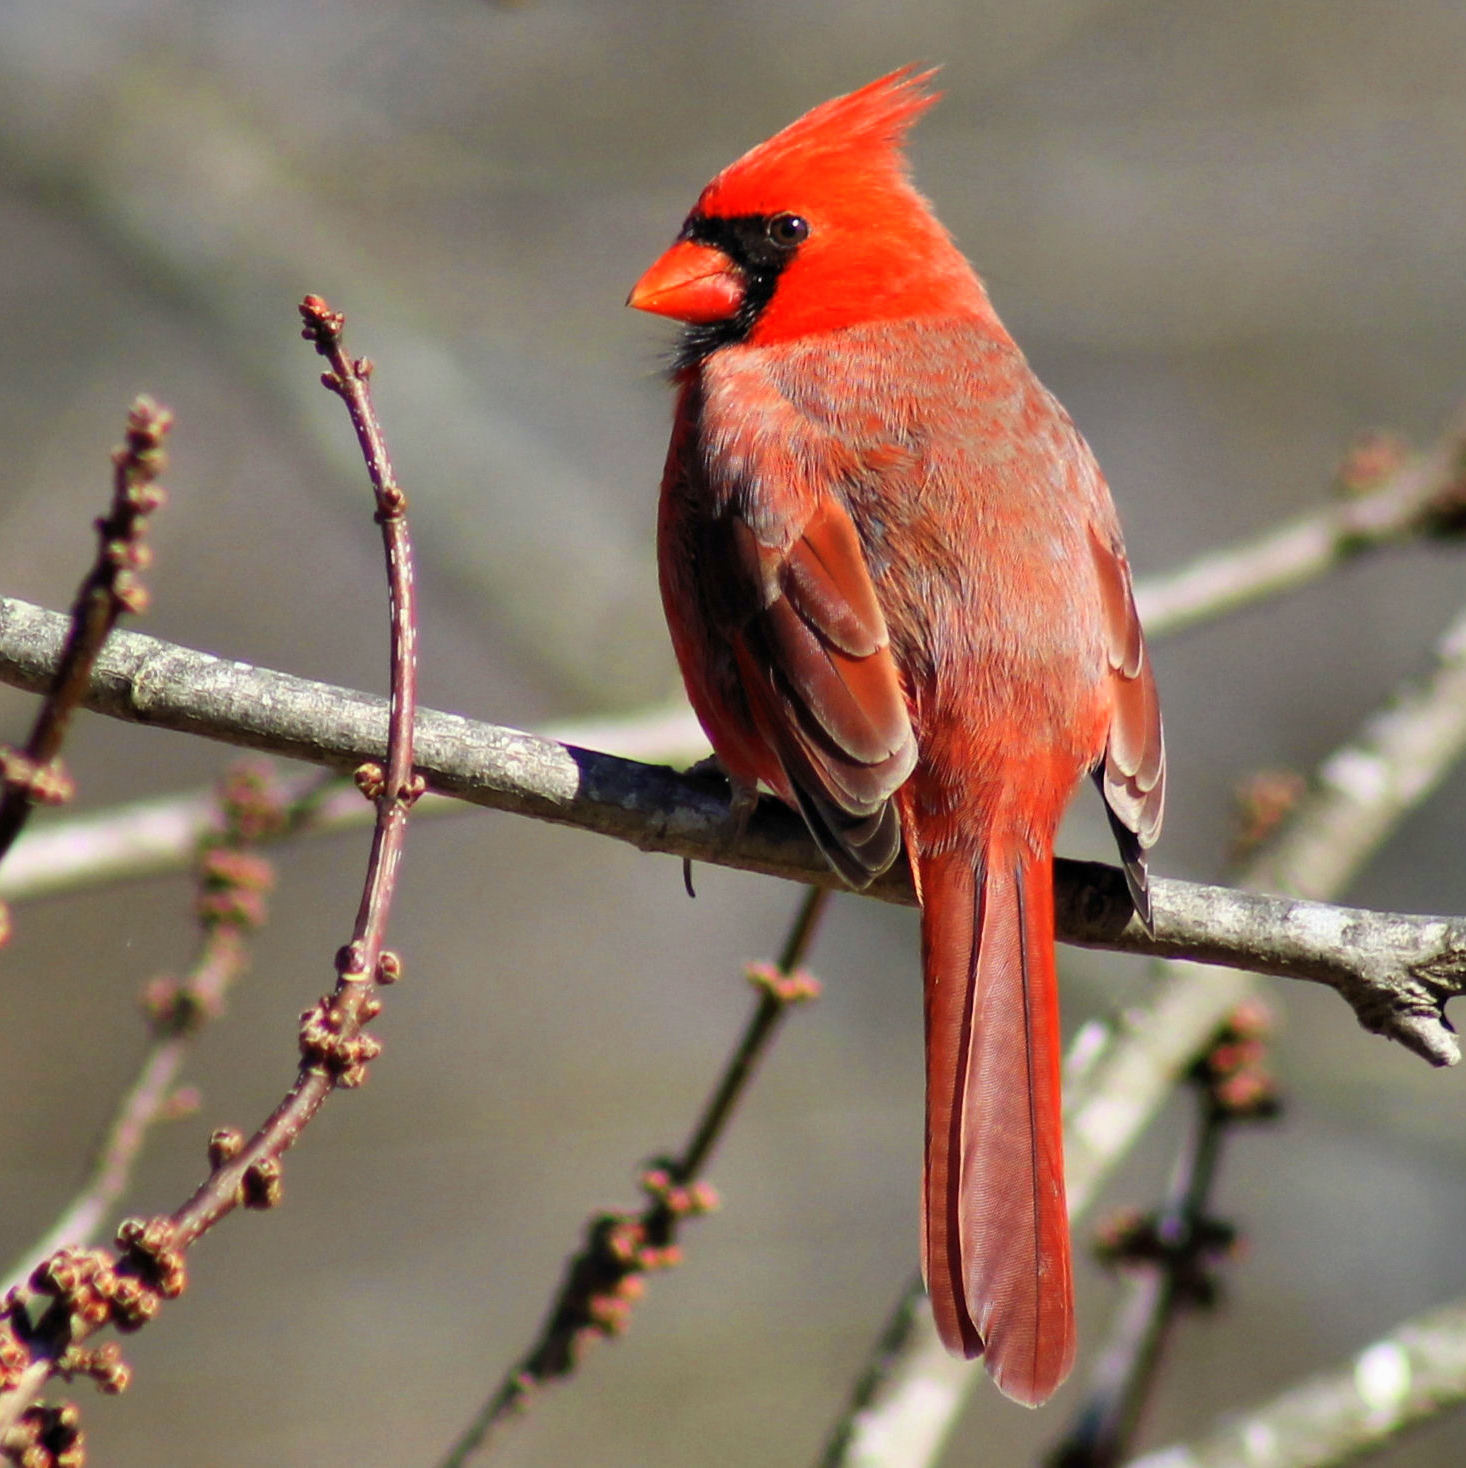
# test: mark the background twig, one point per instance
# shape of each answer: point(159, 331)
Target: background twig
point(603, 1280)
point(1170, 1257)
point(1406, 1377)
point(232, 883)
point(1381, 503)
point(112, 587)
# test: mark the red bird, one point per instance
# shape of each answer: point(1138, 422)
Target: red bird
point(898, 595)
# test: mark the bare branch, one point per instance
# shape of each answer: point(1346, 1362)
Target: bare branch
point(603, 1279)
point(1408, 1376)
point(143, 838)
point(75, 1292)
point(1418, 494)
point(229, 902)
point(110, 588)
point(1396, 971)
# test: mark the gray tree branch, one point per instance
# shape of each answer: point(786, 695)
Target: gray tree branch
point(1392, 495)
point(1387, 499)
point(1397, 971)
point(1413, 1373)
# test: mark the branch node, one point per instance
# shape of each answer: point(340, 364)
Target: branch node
point(1233, 1073)
point(225, 1144)
point(47, 1437)
point(14, 1355)
point(323, 326)
point(371, 779)
point(39, 782)
point(1263, 801)
point(796, 986)
point(1132, 1238)
point(261, 1185)
point(84, 1285)
point(677, 1199)
point(171, 1007)
point(391, 503)
point(150, 1249)
point(324, 1046)
point(351, 964)
point(233, 885)
point(103, 1364)
point(252, 805)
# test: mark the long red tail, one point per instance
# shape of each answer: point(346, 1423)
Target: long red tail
point(995, 1229)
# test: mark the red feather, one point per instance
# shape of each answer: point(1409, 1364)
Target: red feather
point(899, 599)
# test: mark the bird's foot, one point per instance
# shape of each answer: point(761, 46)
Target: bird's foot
point(742, 799)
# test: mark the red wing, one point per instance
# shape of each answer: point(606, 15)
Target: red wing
point(1133, 779)
point(815, 661)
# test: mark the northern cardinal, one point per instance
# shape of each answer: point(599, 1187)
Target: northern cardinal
point(898, 595)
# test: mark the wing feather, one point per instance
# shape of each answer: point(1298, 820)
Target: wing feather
point(1133, 776)
point(815, 660)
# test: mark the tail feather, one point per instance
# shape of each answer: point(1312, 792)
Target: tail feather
point(995, 1238)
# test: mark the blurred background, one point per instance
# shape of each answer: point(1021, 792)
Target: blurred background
point(1228, 236)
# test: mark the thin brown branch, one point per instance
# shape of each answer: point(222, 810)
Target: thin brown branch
point(1120, 1074)
point(1396, 971)
point(604, 1278)
point(1405, 1378)
point(113, 586)
point(75, 1292)
point(231, 885)
point(335, 1050)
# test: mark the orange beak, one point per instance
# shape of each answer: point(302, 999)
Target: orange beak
point(691, 282)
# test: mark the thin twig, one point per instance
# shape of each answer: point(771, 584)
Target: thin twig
point(1119, 1074)
point(890, 1354)
point(1385, 499)
point(1396, 971)
point(229, 903)
point(604, 1278)
point(113, 586)
point(1169, 1255)
point(73, 1293)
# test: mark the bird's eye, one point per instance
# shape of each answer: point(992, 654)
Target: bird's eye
point(787, 230)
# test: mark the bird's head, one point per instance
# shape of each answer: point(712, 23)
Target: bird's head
point(816, 229)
